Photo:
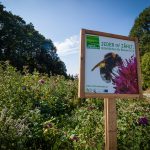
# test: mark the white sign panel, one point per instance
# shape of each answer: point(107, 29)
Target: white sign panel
point(108, 59)
point(109, 66)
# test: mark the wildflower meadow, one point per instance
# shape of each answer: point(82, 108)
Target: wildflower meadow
point(38, 112)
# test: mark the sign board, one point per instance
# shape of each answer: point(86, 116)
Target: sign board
point(109, 66)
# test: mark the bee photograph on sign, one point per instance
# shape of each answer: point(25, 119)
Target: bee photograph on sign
point(110, 61)
point(109, 65)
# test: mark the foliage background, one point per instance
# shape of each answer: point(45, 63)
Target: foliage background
point(41, 112)
point(22, 45)
point(141, 30)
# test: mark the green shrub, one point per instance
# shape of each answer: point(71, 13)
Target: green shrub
point(88, 127)
point(34, 98)
point(131, 134)
point(146, 70)
point(38, 112)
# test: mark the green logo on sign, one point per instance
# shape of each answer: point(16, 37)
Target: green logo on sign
point(92, 42)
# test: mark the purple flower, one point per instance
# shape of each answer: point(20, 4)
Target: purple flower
point(143, 121)
point(48, 125)
point(126, 79)
point(91, 108)
point(23, 87)
point(74, 137)
point(41, 81)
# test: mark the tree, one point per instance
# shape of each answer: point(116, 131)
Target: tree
point(49, 58)
point(22, 45)
point(146, 70)
point(141, 30)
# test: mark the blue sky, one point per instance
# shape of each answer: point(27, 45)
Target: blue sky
point(61, 20)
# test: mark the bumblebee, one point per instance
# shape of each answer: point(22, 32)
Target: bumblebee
point(106, 66)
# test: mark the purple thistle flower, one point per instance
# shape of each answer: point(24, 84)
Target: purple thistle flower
point(91, 108)
point(126, 81)
point(41, 81)
point(143, 121)
point(23, 87)
point(48, 125)
point(74, 137)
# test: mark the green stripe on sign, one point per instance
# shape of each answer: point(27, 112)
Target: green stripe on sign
point(92, 42)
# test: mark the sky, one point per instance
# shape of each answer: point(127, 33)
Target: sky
point(62, 20)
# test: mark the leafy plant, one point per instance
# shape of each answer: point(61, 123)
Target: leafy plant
point(146, 70)
point(41, 112)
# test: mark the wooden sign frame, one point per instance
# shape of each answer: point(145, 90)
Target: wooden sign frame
point(81, 91)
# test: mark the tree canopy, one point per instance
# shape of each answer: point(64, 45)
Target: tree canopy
point(22, 45)
point(146, 70)
point(141, 30)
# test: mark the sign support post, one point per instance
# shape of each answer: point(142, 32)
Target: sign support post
point(110, 124)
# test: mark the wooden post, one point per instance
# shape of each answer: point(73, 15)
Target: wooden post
point(110, 124)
